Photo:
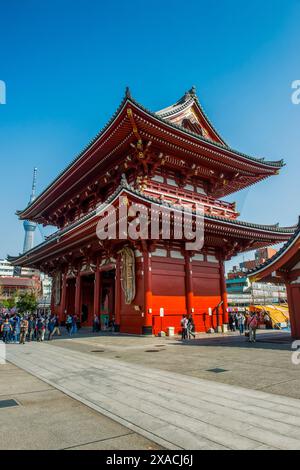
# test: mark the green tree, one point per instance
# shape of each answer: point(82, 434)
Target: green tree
point(9, 303)
point(27, 302)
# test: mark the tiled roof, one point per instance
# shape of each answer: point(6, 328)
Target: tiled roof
point(282, 251)
point(128, 98)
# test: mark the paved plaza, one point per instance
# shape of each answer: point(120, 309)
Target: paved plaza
point(163, 393)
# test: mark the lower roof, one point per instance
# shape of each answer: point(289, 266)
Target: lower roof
point(279, 233)
point(278, 260)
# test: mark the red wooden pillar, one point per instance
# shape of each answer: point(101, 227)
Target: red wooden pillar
point(118, 294)
point(63, 297)
point(78, 296)
point(189, 292)
point(97, 289)
point(147, 324)
point(294, 333)
point(223, 291)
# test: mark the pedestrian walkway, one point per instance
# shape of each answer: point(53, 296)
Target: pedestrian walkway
point(175, 411)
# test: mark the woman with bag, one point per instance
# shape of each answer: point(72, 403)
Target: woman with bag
point(252, 326)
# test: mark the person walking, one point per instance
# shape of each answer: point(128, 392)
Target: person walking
point(68, 323)
point(6, 329)
point(16, 329)
point(51, 326)
point(96, 324)
point(252, 326)
point(23, 330)
point(184, 324)
point(56, 327)
point(191, 328)
point(74, 325)
point(31, 328)
point(231, 322)
point(40, 329)
point(241, 323)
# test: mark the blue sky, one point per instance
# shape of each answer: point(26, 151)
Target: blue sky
point(66, 65)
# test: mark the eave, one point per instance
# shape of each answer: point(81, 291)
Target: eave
point(214, 226)
point(280, 260)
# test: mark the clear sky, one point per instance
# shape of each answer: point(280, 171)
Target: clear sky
point(66, 64)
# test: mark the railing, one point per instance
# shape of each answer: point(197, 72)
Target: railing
point(211, 205)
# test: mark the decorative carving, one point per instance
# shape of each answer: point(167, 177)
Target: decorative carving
point(88, 266)
point(128, 274)
point(72, 272)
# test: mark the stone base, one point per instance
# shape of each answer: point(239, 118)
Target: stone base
point(147, 330)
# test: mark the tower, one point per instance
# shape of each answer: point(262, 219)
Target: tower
point(29, 226)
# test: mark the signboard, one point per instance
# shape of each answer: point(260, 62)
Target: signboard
point(210, 311)
point(161, 312)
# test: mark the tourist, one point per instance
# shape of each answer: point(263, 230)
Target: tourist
point(23, 330)
point(74, 325)
point(16, 329)
point(252, 326)
point(31, 328)
point(236, 321)
point(96, 324)
point(191, 328)
point(56, 327)
point(113, 324)
point(231, 322)
point(6, 329)
point(241, 323)
point(69, 323)
point(40, 328)
point(184, 324)
point(51, 323)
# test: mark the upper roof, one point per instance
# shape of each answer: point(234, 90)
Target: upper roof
point(280, 259)
point(172, 126)
point(188, 113)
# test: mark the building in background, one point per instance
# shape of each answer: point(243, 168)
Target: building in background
point(11, 287)
point(6, 268)
point(242, 293)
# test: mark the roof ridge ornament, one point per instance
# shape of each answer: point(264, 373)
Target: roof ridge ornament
point(127, 92)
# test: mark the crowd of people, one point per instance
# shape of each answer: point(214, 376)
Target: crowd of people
point(245, 324)
point(20, 328)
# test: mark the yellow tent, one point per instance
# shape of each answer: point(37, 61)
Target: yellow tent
point(279, 315)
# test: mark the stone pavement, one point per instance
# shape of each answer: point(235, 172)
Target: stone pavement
point(46, 418)
point(171, 409)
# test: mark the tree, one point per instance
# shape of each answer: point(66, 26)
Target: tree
point(9, 303)
point(27, 302)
